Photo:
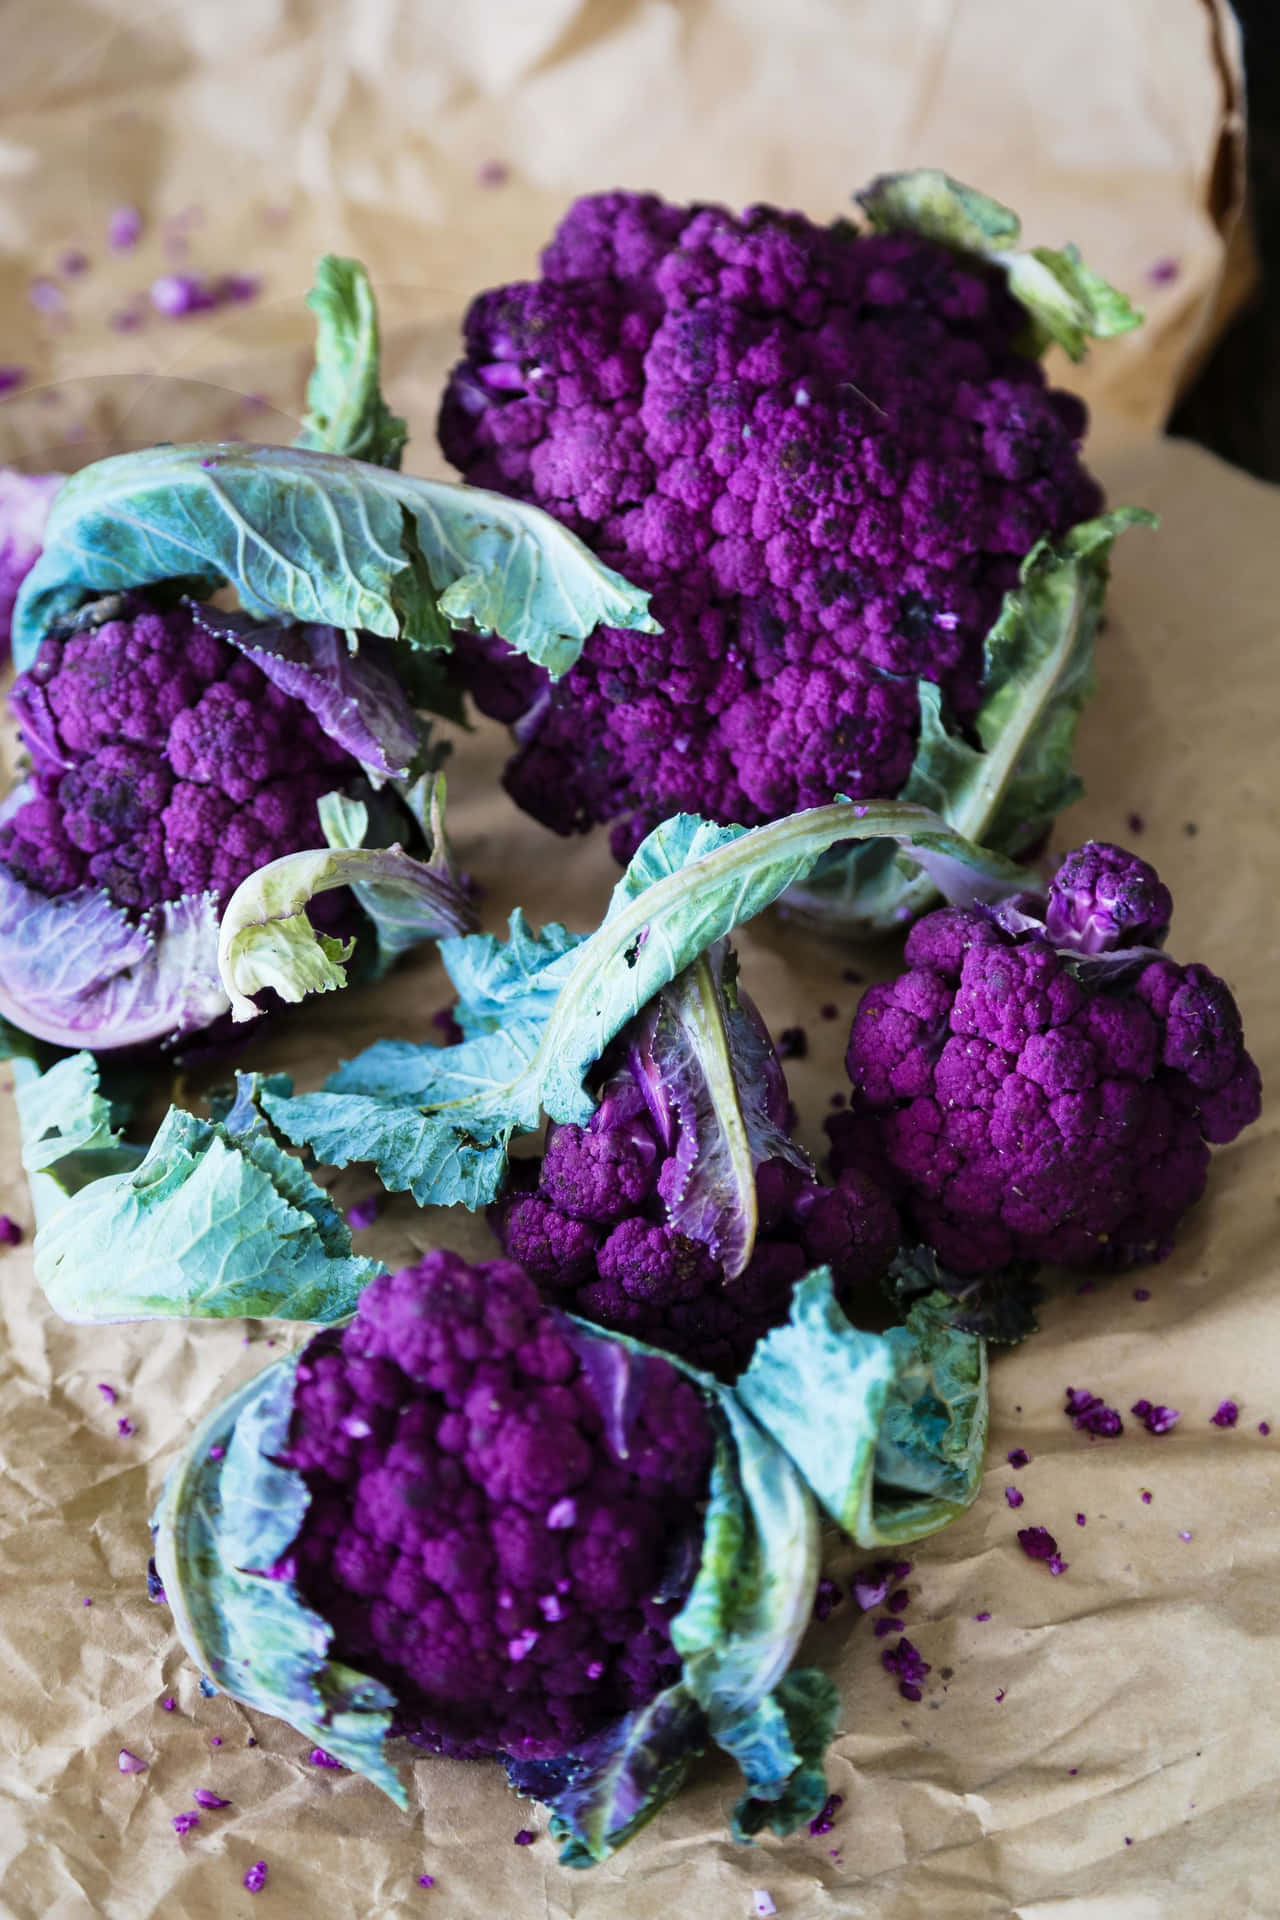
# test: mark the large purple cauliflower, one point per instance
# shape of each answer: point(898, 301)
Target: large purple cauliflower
point(823, 452)
point(25, 500)
point(1042, 1082)
point(163, 763)
point(619, 1224)
point(474, 1537)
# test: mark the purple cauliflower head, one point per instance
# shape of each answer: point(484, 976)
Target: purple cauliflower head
point(822, 452)
point(25, 500)
point(1047, 1089)
point(475, 1538)
point(596, 1234)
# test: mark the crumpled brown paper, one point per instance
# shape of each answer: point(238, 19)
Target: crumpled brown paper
point(1107, 1743)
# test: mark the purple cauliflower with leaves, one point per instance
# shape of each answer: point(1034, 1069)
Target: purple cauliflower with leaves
point(624, 1226)
point(1042, 1082)
point(473, 1537)
point(825, 453)
point(25, 500)
point(163, 763)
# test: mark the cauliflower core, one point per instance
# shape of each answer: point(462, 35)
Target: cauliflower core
point(822, 452)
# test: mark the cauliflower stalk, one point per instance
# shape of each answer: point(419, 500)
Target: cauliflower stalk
point(470, 1521)
point(830, 456)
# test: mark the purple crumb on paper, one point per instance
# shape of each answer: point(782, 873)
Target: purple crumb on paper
point(255, 1878)
point(793, 1043)
point(1264, 1428)
point(1226, 1416)
point(124, 1426)
point(525, 1837)
point(829, 1010)
point(72, 261)
point(129, 1762)
point(982, 1616)
point(838, 1100)
point(1183, 1536)
point(184, 1822)
point(1146, 1496)
point(124, 229)
point(870, 1588)
point(45, 295)
point(827, 1598)
point(825, 1818)
point(852, 975)
point(426, 1879)
point(177, 294)
point(1142, 1293)
point(1073, 1770)
point(1079, 1519)
point(216, 1740)
point(319, 1758)
point(1154, 1418)
point(10, 1231)
point(108, 1393)
point(205, 1797)
point(1056, 1564)
point(909, 1665)
point(364, 1212)
point(1037, 1543)
point(1089, 1412)
point(1135, 823)
point(888, 1623)
point(155, 1586)
point(1161, 273)
point(493, 173)
point(86, 1603)
point(898, 1602)
point(1000, 1696)
point(11, 377)
point(168, 1703)
point(128, 319)
point(1013, 1496)
point(1018, 1457)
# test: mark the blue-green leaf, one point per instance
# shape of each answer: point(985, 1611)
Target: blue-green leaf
point(68, 1130)
point(346, 412)
point(1067, 302)
point(933, 1435)
point(215, 1220)
point(227, 1515)
point(781, 1754)
point(438, 1121)
point(317, 538)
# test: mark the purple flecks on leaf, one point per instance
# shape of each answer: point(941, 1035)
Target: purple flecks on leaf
point(1156, 1419)
point(525, 1837)
point(124, 229)
point(1014, 1496)
point(1037, 1543)
point(827, 1598)
point(184, 1822)
point(205, 1797)
point(1226, 1416)
point(129, 1762)
point(255, 1878)
point(319, 1758)
point(793, 1043)
point(11, 377)
point(364, 1212)
point(10, 1232)
point(217, 1453)
point(1018, 1457)
point(1090, 1413)
point(825, 1818)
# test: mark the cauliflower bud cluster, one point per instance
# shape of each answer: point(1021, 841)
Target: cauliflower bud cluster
point(826, 455)
point(164, 763)
point(474, 1537)
point(597, 1234)
point(1043, 1082)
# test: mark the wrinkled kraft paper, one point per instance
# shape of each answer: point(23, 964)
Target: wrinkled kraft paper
point(1106, 1744)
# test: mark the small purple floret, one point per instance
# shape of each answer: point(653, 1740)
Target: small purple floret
point(185, 1823)
point(1090, 1414)
point(1037, 1543)
point(1227, 1414)
point(255, 1878)
point(205, 1797)
point(525, 1837)
point(1018, 1457)
point(1154, 1418)
point(1014, 1496)
point(824, 1820)
point(129, 1762)
point(827, 1598)
point(363, 1213)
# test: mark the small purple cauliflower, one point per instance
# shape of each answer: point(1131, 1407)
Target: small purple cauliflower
point(25, 500)
point(597, 1232)
point(824, 453)
point(163, 763)
point(1042, 1083)
point(473, 1537)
